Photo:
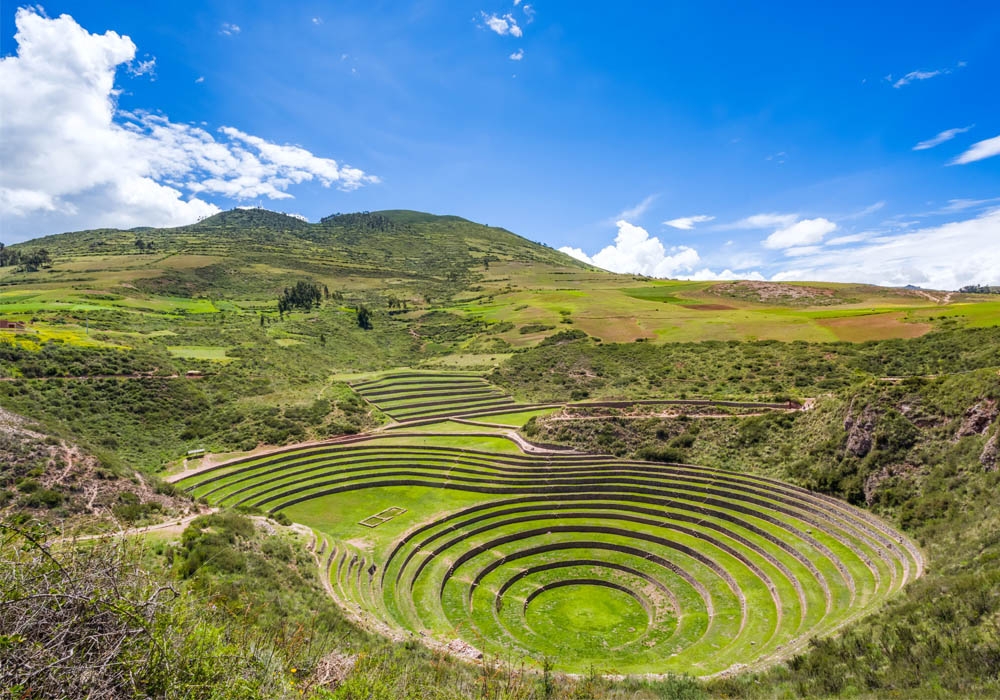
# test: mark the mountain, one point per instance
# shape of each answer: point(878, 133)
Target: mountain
point(254, 251)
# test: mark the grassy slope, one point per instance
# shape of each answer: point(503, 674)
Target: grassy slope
point(237, 262)
point(208, 286)
point(939, 637)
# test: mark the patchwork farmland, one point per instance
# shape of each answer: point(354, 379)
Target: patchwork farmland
point(468, 542)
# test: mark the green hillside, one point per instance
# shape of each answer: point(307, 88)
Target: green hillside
point(249, 252)
point(409, 263)
point(451, 462)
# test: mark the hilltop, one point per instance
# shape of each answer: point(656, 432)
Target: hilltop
point(252, 252)
point(480, 275)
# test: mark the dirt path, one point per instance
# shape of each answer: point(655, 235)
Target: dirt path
point(692, 416)
point(86, 377)
point(942, 300)
point(171, 526)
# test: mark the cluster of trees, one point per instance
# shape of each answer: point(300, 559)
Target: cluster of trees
point(979, 289)
point(360, 220)
point(26, 260)
point(142, 245)
point(304, 295)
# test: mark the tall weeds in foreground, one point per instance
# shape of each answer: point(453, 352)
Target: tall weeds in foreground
point(84, 620)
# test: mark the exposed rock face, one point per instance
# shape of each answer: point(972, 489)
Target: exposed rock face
point(874, 481)
point(978, 418)
point(991, 453)
point(860, 430)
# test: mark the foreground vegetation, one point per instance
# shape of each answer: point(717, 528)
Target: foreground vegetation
point(134, 355)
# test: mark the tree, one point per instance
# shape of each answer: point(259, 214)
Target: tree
point(364, 317)
point(304, 295)
point(34, 260)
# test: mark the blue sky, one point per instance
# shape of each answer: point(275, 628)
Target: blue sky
point(780, 140)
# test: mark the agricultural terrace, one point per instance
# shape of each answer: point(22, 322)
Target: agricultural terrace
point(459, 537)
point(406, 396)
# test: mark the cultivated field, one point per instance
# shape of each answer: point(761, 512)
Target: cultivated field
point(452, 533)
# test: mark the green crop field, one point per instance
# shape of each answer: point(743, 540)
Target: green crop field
point(584, 560)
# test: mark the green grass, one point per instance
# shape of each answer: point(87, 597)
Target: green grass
point(675, 542)
point(200, 352)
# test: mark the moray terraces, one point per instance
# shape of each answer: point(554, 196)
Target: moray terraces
point(450, 531)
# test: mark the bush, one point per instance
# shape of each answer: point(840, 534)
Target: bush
point(655, 453)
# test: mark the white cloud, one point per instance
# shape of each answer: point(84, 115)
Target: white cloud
point(963, 204)
point(147, 67)
point(940, 257)
point(686, 223)
point(228, 29)
point(799, 251)
point(529, 13)
point(200, 79)
point(317, 20)
point(946, 135)
point(744, 261)
point(867, 211)
point(801, 233)
point(851, 238)
point(706, 275)
point(637, 211)
point(635, 251)
point(917, 75)
point(978, 151)
point(576, 253)
point(517, 55)
point(71, 160)
point(758, 221)
point(790, 276)
point(502, 25)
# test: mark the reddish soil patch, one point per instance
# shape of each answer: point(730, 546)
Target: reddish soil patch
point(776, 293)
point(708, 307)
point(874, 327)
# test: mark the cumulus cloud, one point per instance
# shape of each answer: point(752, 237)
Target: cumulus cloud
point(228, 29)
point(517, 55)
point(801, 233)
point(70, 159)
point(529, 13)
point(946, 135)
point(686, 223)
point(635, 251)
point(978, 151)
point(706, 275)
point(948, 256)
point(505, 25)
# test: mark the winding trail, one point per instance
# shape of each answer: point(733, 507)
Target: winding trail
point(178, 524)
